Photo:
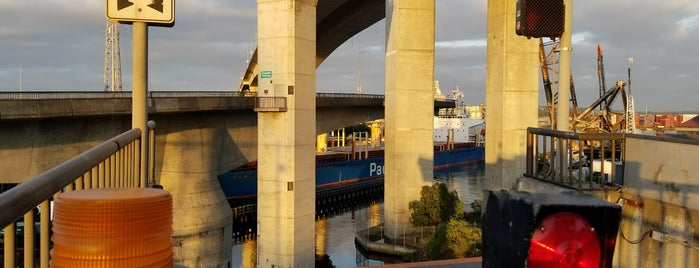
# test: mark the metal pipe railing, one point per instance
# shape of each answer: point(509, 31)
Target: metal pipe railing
point(54, 95)
point(583, 152)
point(114, 163)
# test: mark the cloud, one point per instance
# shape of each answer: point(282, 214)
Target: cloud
point(59, 45)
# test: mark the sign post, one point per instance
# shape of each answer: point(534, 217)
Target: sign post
point(140, 13)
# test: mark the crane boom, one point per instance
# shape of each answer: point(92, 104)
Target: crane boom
point(600, 73)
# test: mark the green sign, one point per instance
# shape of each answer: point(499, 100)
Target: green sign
point(266, 74)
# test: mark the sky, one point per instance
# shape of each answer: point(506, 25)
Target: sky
point(55, 45)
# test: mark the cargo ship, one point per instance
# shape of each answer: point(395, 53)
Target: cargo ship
point(333, 170)
point(458, 140)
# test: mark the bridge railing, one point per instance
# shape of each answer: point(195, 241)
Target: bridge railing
point(53, 95)
point(592, 161)
point(112, 164)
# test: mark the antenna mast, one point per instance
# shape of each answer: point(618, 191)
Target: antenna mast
point(630, 111)
point(112, 58)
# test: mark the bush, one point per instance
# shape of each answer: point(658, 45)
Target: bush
point(455, 239)
point(474, 216)
point(436, 205)
point(458, 234)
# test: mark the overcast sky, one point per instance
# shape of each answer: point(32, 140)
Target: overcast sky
point(59, 45)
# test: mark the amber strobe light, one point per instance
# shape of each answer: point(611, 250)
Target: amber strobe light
point(123, 227)
point(564, 230)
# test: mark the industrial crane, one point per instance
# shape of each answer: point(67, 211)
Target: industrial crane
point(548, 63)
point(588, 120)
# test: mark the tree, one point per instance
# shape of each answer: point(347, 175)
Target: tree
point(436, 205)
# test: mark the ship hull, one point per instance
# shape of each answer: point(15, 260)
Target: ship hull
point(240, 186)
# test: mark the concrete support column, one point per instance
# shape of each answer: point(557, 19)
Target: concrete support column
point(512, 83)
point(202, 218)
point(286, 143)
point(409, 108)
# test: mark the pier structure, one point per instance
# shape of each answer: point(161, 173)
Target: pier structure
point(409, 108)
point(286, 136)
point(511, 95)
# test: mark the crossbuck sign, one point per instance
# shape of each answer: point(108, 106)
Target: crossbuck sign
point(153, 11)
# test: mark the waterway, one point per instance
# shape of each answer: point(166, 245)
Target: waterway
point(335, 235)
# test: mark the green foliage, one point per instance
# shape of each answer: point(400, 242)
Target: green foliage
point(436, 205)
point(455, 239)
point(459, 237)
point(458, 234)
point(474, 216)
point(463, 239)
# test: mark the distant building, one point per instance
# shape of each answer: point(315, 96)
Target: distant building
point(689, 127)
point(667, 121)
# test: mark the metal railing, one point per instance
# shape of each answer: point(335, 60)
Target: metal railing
point(270, 104)
point(112, 164)
point(57, 95)
point(592, 161)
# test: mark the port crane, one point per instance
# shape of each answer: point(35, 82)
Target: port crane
point(588, 120)
point(549, 65)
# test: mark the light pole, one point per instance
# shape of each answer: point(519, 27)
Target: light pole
point(359, 81)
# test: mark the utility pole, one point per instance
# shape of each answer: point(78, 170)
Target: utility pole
point(563, 118)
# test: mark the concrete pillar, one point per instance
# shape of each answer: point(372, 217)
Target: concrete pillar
point(512, 83)
point(202, 218)
point(409, 108)
point(286, 140)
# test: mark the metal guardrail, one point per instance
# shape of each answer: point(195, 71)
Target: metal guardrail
point(270, 104)
point(53, 95)
point(114, 163)
point(592, 161)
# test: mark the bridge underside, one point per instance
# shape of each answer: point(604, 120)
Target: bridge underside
point(45, 143)
point(337, 21)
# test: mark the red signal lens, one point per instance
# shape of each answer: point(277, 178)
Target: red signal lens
point(564, 240)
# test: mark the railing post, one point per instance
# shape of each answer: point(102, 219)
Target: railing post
point(581, 149)
point(530, 153)
point(9, 244)
point(44, 212)
point(151, 152)
point(612, 173)
point(29, 239)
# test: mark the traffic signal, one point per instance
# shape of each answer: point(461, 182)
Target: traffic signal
point(566, 229)
point(540, 18)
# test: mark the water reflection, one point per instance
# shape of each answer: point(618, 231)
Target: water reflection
point(335, 235)
point(249, 254)
point(321, 236)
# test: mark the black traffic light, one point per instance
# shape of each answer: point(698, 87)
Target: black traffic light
point(567, 229)
point(540, 18)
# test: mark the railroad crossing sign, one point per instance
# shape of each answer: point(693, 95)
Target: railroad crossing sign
point(153, 11)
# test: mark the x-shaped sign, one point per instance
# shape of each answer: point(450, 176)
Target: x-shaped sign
point(155, 11)
point(157, 5)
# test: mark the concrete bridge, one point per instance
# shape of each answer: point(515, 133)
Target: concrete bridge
point(48, 128)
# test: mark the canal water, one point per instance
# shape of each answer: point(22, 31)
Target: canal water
point(335, 235)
